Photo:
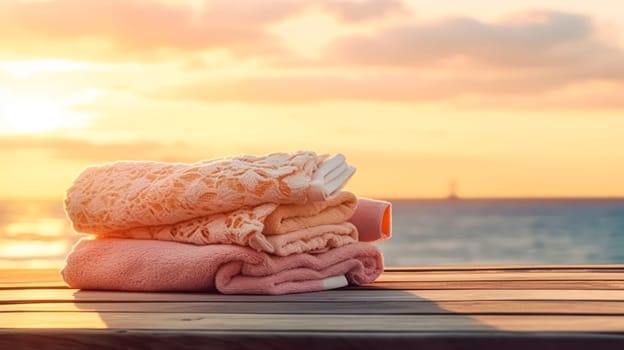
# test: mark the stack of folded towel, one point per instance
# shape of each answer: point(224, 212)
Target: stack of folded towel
point(271, 224)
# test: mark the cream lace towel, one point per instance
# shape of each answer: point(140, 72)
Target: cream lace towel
point(216, 201)
point(124, 195)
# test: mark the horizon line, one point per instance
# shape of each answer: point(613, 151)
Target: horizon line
point(458, 199)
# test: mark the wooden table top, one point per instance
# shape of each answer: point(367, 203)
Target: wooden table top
point(497, 307)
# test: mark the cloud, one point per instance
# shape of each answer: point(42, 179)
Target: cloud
point(566, 43)
point(405, 87)
point(537, 39)
point(505, 62)
point(404, 60)
point(355, 11)
point(85, 150)
point(128, 27)
point(139, 29)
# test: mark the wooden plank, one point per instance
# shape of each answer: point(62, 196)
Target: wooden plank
point(502, 276)
point(506, 267)
point(71, 295)
point(34, 276)
point(532, 278)
point(34, 285)
point(578, 285)
point(50, 279)
point(376, 307)
point(235, 322)
point(310, 322)
point(8, 276)
point(282, 340)
point(557, 284)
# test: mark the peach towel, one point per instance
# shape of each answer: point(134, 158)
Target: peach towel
point(145, 265)
point(125, 195)
point(215, 232)
point(311, 239)
point(302, 228)
point(373, 219)
point(293, 217)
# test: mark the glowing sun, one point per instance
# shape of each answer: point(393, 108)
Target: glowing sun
point(37, 115)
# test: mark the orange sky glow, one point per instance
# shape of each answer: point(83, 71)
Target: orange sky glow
point(510, 98)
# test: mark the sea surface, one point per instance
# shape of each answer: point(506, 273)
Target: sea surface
point(36, 234)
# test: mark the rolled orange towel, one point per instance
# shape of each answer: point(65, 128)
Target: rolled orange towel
point(373, 219)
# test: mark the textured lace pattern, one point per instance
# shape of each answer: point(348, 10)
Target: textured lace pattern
point(242, 227)
point(300, 228)
point(127, 195)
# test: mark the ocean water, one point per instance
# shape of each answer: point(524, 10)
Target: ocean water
point(36, 234)
point(527, 231)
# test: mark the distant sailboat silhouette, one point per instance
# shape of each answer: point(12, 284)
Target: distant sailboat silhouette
point(452, 190)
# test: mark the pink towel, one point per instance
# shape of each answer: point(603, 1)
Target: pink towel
point(126, 195)
point(145, 265)
point(373, 219)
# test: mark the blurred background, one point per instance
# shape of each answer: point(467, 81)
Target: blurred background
point(495, 127)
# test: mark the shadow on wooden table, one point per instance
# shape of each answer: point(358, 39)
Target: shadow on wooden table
point(345, 318)
point(352, 317)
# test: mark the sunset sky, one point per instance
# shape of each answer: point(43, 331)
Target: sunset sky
point(515, 98)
